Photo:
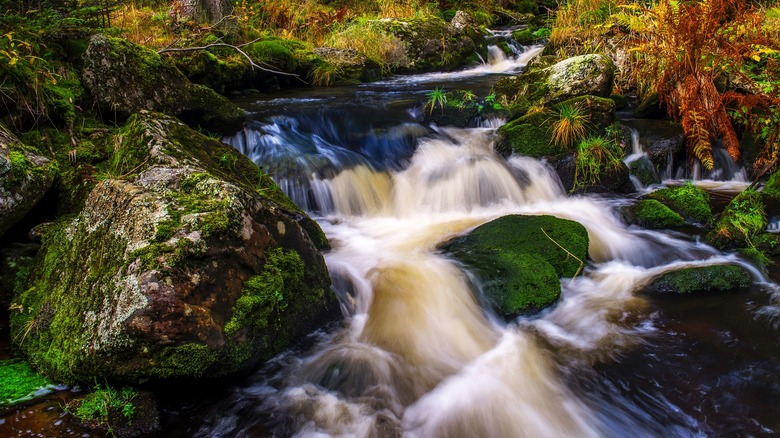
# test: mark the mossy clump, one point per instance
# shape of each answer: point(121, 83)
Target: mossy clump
point(690, 201)
point(518, 259)
point(121, 412)
point(653, 214)
point(529, 135)
point(18, 381)
point(742, 220)
point(717, 278)
point(772, 187)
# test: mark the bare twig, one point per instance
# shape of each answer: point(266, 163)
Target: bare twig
point(237, 49)
point(582, 264)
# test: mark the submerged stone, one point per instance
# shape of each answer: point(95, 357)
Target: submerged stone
point(717, 278)
point(186, 262)
point(518, 260)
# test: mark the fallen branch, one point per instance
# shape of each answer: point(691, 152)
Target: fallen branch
point(237, 49)
point(582, 264)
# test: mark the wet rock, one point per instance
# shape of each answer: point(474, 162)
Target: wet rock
point(572, 77)
point(518, 261)
point(125, 78)
point(650, 108)
point(612, 179)
point(192, 264)
point(717, 278)
point(644, 171)
point(16, 260)
point(692, 202)
point(25, 177)
point(662, 140)
point(772, 187)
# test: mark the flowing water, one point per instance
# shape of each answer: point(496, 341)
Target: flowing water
point(419, 356)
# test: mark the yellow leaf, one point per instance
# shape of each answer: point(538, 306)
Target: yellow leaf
point(9, 36)
point(756, 57)
point(13, 61)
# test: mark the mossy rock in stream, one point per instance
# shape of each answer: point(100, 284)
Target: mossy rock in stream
point(186, 261)
point(772, 187)
point(741, 222)
point(650, 213)
point(717, 278)
point(688, 200)
point(518, 260)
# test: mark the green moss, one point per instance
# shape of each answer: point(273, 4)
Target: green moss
point(653, 214)
point(690, 201)
point(263, 300)
point(718, 278)
point(18, 381)
point(518, 259)
point(96, 407)
point(529, 135)
point(742, 220)
point(190, 360)
point(772, 187)
point(643, 170)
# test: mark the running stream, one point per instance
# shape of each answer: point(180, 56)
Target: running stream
point(417, 356)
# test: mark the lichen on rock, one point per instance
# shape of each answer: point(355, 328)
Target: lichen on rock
point(150, 272)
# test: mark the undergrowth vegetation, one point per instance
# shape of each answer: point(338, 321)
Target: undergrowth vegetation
point(712, 63)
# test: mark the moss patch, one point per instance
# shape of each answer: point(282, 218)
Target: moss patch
point(653, 214)
point(742, 220)
point(718, 278)
point(517, 264)
point(772, 187)
point(530, 135)
point(18, 381)
point(690, 201)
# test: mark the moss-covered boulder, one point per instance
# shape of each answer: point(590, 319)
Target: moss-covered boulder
point(461, 108)
point(124, 78)
point(431, 43)
point(344, 67)
point(186, 261)
point(572, 77)
point(532, 133)
point(717, 278)
point(740, 223)
point(649, 213)
point(644, 171)
point(519, 259)
point(690, 201)
point(25, 177)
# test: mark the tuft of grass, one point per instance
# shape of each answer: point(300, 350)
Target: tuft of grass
point(570, 127)
point(368, 37)
point(436, 98)
point(97, 407)
point(595, 155)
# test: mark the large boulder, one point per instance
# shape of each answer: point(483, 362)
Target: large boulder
point(716, 278)
point(743, 219)
point(431, 43)
point(572, 77)
point(25, 177)
point(125, 78)
point(187, 262)
point(519, 260)
point(346, 66)
point(612, 179)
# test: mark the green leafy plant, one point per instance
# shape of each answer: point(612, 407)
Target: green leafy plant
point(97, 407)
point(570, 126)
point(436, 98)
point(595, 155)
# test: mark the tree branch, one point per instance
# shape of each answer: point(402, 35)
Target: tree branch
point(237, 49)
